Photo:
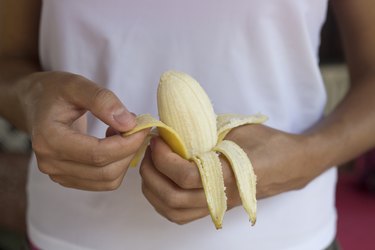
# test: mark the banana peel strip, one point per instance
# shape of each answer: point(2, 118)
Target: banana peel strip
point(244, 174)
point(168, 134)
point(225, 122)
point(211, 173)
point(140, 153)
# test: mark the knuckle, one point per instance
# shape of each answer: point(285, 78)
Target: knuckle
point(175, 217)
point(173, 199)
point(142, 171)
point(44, 168)
point(39, 145)
point(102, 95)
point(113, 185)
point(109, 173)
point(71, 81)
point(44, 141)
point(54, 178)
point(98, 158)
point(70, 78)
point(146, 193)
point(189, 179)
point(61, 181)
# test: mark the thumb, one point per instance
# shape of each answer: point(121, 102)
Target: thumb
point(103, 103)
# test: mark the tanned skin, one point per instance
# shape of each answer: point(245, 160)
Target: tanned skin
point(51, 107)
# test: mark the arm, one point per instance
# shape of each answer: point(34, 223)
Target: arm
point(282, 161)
point(51, 107)
point(349, 130)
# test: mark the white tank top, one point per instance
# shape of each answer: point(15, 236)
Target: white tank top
point(250, 56)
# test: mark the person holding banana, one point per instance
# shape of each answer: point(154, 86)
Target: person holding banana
point(74, 73)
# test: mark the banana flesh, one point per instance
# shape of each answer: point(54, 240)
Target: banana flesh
point(244, 174)
point(189, 125)
point(184, 106)
point(209, 166)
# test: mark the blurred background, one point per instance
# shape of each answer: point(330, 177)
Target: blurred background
point(355, 189)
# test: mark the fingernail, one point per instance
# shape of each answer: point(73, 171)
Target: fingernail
point(124, 117)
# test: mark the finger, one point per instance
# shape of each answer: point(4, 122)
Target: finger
point(88, 185)
point(80, 171)
point(111, 131)
point(103, 103)
point(167, 191)
point(89, 150)
point(180, 216)
point(182, 172)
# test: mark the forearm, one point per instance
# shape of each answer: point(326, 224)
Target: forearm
point(19, 32)
point(349, 130)
point(12, 87)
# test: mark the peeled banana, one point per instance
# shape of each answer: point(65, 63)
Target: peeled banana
point(189, 125)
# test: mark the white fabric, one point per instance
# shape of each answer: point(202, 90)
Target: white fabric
point(250, 56)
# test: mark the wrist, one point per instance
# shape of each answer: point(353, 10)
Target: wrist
point(281, 161)
point(333, 141)
point(316, 154)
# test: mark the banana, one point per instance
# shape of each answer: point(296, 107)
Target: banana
point(189, 125)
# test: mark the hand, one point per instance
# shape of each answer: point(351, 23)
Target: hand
point(173, 186)
point(281, 161)
point(55, 104)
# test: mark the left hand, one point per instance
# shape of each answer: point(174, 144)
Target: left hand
point(282, 161)
point(173, 185)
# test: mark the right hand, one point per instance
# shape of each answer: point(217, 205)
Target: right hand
point(55, 104)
